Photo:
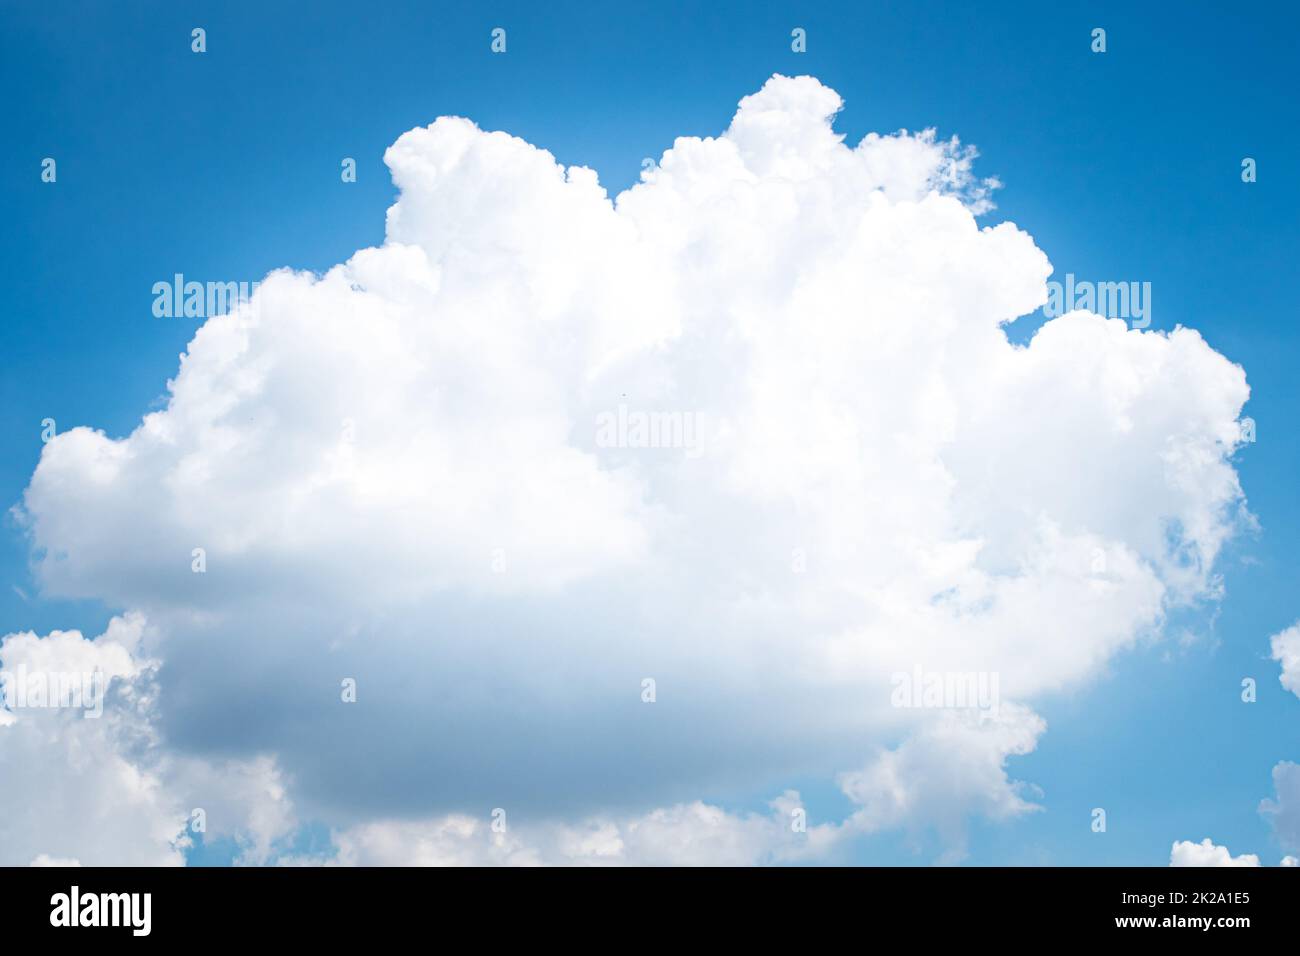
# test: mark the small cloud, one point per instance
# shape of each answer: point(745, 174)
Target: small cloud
point(1206, 853)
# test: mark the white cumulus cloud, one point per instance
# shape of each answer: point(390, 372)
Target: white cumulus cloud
point(397, 476)
point(1285, 646)
point(1207, 853)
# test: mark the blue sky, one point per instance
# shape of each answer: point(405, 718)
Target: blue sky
point(1121, 166)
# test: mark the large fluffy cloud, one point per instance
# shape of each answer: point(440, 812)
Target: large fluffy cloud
point(428, 470)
